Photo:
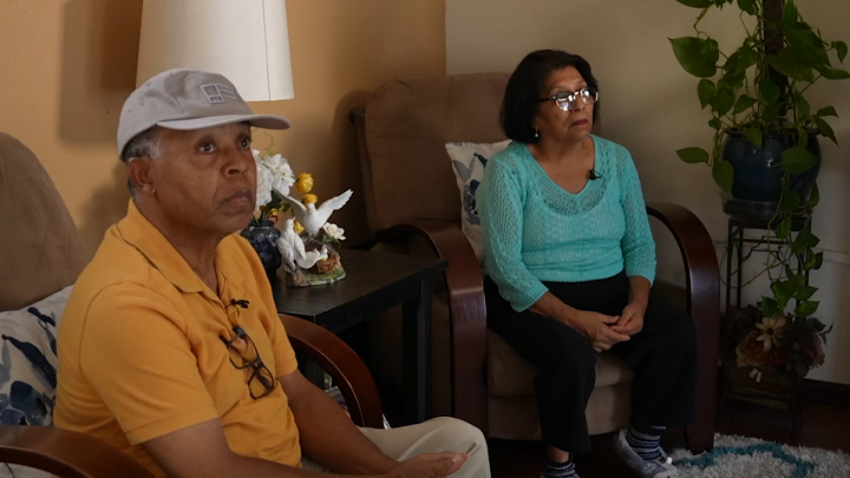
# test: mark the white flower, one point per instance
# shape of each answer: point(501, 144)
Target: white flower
point(283, 177)
point(280, 175)
point(334, 232)
point(264, 186)
point(771, 328)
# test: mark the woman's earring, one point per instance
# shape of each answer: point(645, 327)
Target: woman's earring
point(536, 133)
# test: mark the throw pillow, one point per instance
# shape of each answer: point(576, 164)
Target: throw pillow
point(468, 162)
point(28, 361)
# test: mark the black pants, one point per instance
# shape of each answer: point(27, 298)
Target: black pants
point(663, 357)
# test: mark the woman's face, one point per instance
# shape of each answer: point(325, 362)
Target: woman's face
point(552, 121)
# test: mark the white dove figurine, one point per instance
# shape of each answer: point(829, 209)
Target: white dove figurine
point(292, 249)
point(312, 217)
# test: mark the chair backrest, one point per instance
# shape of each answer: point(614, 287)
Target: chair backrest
point(40, 248)
point(407, 173)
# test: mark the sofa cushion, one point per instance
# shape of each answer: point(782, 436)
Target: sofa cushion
point(28, 361)
point(39, 240)
point(408, 122)
point(510, 375)
point(468, 162)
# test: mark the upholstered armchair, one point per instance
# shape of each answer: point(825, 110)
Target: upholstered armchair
point(413, 206)
point(40, 254)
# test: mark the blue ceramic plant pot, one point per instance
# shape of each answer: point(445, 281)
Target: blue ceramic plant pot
point(264, 240)
point(758, 178)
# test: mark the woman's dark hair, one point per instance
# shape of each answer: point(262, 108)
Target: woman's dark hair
point(525, 88)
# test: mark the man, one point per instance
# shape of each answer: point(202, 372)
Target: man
point(170, 347)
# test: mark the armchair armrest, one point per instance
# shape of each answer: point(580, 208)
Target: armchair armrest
point(343, 364)
point(66, 454)
point(465, 285)
point(703, 303)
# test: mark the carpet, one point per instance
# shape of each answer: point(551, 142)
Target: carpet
point(742, 457)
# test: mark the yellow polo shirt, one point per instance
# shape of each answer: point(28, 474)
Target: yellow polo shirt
point(140, 353)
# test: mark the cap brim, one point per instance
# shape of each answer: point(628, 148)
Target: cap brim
point(260, 121)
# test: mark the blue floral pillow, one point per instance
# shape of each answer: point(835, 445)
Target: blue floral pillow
point(28, 361)
point(468, 162)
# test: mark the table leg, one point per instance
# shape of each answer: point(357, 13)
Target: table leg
point(416, 329)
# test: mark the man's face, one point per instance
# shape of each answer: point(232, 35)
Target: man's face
point(207, 178)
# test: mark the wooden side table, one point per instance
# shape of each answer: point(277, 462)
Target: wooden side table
point(376, 282)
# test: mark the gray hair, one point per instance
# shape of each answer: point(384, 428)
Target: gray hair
point(145, 144)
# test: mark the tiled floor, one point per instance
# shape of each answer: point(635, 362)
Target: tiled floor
point(824, 426)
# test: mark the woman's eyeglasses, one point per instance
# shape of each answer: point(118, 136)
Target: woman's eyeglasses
point(244, 354)
point(568, 100)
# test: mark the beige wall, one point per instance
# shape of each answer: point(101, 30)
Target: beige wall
point(650, 105)
point(66, 68)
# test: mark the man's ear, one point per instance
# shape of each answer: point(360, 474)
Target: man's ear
point(139, 170)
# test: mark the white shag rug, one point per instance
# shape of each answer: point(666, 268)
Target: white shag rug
point(742, 457)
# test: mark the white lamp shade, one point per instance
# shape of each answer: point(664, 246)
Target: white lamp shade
point(247, 41)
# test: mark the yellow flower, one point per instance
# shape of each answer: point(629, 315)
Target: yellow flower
point(770, 328)
point(304, 184)
point(309, 198)
point(297, 227)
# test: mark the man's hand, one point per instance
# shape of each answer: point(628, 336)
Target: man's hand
point(598, 328)
point(429, 465)
point(631, 320)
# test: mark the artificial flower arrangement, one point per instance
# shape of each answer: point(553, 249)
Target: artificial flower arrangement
point(306, 247)
point(777, 350)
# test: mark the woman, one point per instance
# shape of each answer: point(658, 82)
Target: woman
point(570, 260)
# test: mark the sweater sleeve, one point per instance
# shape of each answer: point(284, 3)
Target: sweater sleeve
point(500, 207)
point(637, 243)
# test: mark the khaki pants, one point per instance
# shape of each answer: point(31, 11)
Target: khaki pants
point(434, 436)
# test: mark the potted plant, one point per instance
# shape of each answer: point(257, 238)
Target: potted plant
point(765, 154)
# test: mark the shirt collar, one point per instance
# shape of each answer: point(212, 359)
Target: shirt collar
point(138, 231)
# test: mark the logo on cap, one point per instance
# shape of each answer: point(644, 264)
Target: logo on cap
point(218, 93)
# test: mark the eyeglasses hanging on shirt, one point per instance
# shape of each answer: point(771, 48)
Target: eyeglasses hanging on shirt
point(244, 354)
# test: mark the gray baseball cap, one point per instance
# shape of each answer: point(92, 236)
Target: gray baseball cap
point(185, 99)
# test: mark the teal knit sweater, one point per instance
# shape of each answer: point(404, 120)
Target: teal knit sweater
point(535, 231)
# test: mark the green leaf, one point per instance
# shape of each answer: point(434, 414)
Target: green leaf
point(791, 65)
point(715, 123)
point(803, 108)
point(784, 231)
point(827, 111)
point(769, 307)
point(803, 139)
point(693, 155)
point(825, 128)
point(754, 135)
point(814, 196)
point(818, 261)
point(748, 6)
point(806, 308)
point(723, 174)
point(705, 90)
point(695, 3)
point(745, 57)
point(723, 101)
point(805, 292)
point(744, 103)
point(735, 80)
point(803, 240)
point(771, 112)
point(779, 295)
point(791, 14)
point(807, 45)
point(697, 56)
point(811, 262)
point(834, 73)
point(840, 49)
point(790, 202)
point(798, 161)
point(769, 90)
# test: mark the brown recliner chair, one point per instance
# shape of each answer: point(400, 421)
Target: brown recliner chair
point(413, 206)
point(41, 253)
